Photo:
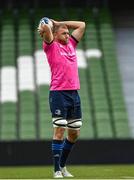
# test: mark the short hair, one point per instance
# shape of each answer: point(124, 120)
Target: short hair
point(57, 27)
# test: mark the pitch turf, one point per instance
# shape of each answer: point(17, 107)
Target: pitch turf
point(80, 172)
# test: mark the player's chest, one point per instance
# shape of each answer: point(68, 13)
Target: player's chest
point(66, 51)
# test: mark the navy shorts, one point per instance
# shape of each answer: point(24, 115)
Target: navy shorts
point(65, 104)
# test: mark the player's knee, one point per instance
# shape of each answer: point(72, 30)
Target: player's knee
point(75, 124)
point(58, 133)
point(59, 122)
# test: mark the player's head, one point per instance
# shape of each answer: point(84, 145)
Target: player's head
point(61, 33)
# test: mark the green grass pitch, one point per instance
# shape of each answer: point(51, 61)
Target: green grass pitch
point(79, 172)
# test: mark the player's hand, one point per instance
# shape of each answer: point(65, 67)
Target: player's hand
point(44, 24)
point(40, 30)
point(55, 23)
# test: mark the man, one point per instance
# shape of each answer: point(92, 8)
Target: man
point(60, 48)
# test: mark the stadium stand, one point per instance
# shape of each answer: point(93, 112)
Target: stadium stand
point(27, 115)
point(99, 101)
point(7, 64)
point(114, 87)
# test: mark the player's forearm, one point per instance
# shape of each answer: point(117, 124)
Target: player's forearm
point(45, 32)
point(72, 24)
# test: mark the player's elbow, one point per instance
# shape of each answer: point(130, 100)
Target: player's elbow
point(83, 25)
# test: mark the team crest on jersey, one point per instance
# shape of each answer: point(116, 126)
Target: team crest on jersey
point(58, 111)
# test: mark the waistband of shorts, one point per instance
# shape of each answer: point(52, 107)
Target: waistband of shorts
point(65, 91)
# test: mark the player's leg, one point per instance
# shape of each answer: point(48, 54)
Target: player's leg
point(59, 125)
point(57, 145)
point(74, 124)
point(68, 145)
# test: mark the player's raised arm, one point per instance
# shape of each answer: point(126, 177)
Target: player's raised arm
point(45, 29)
point(77, 26)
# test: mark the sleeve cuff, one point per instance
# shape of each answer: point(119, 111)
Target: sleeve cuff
point(74, 38)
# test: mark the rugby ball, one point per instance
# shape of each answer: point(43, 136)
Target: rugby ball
point(46, 20)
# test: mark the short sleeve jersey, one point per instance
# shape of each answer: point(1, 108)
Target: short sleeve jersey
point(63, 64)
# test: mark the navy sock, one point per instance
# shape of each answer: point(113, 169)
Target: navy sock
point(67, 146)
point(56, 151)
